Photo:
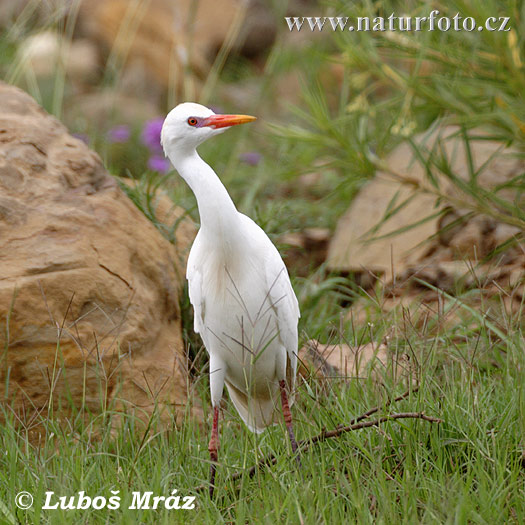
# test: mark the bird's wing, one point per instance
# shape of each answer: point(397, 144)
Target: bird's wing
point(281, 297)
point(194, 276)
point(284, 302)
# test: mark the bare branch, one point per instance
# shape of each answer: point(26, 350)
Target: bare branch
point(355, 424)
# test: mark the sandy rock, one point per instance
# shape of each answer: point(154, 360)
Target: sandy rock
point(173, 222)
point(346, 362)
point(353, 248)
point(41, 14)
point(174, 42)
point(477, 262)
point(42, 54)
point(89, 289)
point(305, 250)
point(10, 10)
point(461, 287)
point(471, 241)
point(503, 233)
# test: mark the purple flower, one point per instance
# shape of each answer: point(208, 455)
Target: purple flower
point(119, 134)
point(252, 158)
point(151, 134)
point(159, 163)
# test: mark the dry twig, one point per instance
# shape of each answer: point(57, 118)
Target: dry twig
point(355, 424)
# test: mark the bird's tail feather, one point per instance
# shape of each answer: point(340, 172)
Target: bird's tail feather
point(257, 412)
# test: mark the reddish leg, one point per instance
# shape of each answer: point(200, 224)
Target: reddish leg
point(288, 417)
point(212, 447)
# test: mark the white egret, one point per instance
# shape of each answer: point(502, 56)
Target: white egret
point(246, 311)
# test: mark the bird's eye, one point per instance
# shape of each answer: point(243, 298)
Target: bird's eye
point(192, 121)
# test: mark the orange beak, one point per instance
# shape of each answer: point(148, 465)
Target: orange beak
point(224, 121)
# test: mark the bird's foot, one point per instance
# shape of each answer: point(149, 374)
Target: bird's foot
point(212, 448)
point(294, 445)
point(213, 469)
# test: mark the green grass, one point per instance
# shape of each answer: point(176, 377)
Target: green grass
point(470, 468)
point(467, 469)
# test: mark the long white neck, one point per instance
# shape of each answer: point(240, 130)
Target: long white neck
point(218, 214)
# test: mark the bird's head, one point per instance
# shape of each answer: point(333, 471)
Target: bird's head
point(188, 125)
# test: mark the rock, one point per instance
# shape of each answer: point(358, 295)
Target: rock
point(10, 10)
point(43, 53)
point(173, 42)
point(353, 248)
point(34, 14)
point(494, 289)
point(172, 220)
point(258, 31)
point(469, 240)
point(305, 250)
point(503, 233)
point(141, 37)
point(345, 362)
point(89, 289)
point(471, 257)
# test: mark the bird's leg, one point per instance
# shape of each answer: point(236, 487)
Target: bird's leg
point(288, 417)
point(217, 371)
point(212, 448)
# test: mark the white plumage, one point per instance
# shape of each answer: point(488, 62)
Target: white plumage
point(246, 313)
point(245, 309)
